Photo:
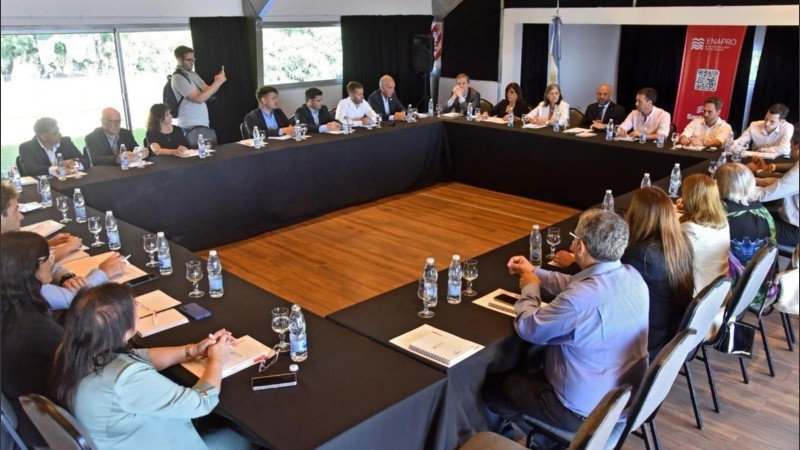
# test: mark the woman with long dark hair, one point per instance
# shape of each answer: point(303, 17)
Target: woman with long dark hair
point(117, 392)
point(661, 253)
point(513, 102)
point(29, 334)
point(163, 137)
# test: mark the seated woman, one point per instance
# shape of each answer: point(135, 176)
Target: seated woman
point(663, 256)
point(163, 137)
point(29, 334)
point(706, 226)
point(512, 102)
point(551, 109)
point(117, 394)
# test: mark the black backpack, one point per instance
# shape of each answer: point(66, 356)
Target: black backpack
point(169, 94)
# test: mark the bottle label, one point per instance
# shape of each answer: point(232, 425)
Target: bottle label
point(47, 197)
point(298, 342)
point(80, 213)
point(113, 238)
point(215, 282)
point(164, 262)
point(454, 288)
point(432, 290)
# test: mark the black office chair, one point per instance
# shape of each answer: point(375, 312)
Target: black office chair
point(9, 420)
point(21, 167)
point(575, 117)
point(486, 440)
point(88, 157)
point(56, 425)
point(244, 131)
point(486, 105)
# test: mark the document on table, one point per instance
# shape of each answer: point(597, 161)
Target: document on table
point(451, 115)
point(625, 138)
point(191, 153)
point(577, 130)
point(489, 301)
point(80, 174)
point(586, 134)
point(247, 352)
point(30, 206)
point(693, 148)
point(83, 266)
point(437, 345)
point(498, 120)
point(280, 138)
point(761, 155)
point(334, 131)
point(154, 301)
point(140, 164)
point(534, 125)
point(45, 228)
point(155, 323)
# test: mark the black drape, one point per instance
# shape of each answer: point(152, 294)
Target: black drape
point(739, 94)
point(373, 46)
point(639, 3)
point(229, 42)
point(650, 56)
point(776, 81)
point(533, 75)
point(470, 40)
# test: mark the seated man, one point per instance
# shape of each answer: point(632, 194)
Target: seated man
point(353, 107)
point(39, 155)
point(268, 117)
point(65, 285)
point(594, 331)
point(104, 142)
point(656, 121)
point(462, 95)
point(314, 114)
point(384, 102)
point(598, 114)
point(771, 135)
point(709, 130)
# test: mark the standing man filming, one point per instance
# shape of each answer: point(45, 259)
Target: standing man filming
point(192, 94)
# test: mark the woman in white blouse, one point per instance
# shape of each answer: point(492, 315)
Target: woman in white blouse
point(551, 109)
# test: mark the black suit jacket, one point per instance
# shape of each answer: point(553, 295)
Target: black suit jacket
point(375, 100)
point(255, 119)
point(520, 108)
point(473, 97)
point(613, 111)
point(35, 160)
point(303, 114)
point(100, 150)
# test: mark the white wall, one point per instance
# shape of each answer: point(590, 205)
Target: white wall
point(593, 48)
point(326, 11)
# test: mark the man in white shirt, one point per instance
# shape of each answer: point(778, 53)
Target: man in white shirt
point(709, 130)
point(354, 107)
point(656, 121)
point(771, 135)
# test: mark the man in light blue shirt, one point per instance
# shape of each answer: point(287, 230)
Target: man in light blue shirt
point(594, 330)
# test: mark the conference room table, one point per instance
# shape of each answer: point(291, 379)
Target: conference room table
point(351, 391)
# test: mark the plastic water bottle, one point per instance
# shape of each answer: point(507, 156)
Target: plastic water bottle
point(430, 107)
point(214, 275)
point(642, 133)
point(16, 179)
point(201, 146)
point(723, 159)
point(123, 161)
point(660, 140)
point(536, 246)
point(298, 132)
point(431, 277)
point(256, 138)
point(470, 109)
point(608, 201)
point(610, 130)
point(62, 168)
point(137, 153)
point(566, 124)
point(297, 335)
point(409, 114)
point(164, 259)
point(675, 180)
point(645, 181)
point(454, 275)
point(80, 206)
point(556, 125)
point(47, 196)
point(112, 231)
point(511, 118)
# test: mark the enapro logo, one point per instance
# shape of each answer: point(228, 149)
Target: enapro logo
point(698, 43)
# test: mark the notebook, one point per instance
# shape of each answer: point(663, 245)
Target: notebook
point(164, 320)
point(488, 301)
point(154, 301)
point(246, 352)
point(83, 266)
point(437, 345)
point(45, 228)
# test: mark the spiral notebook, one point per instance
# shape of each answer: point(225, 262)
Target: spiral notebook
point(247, 352)
point(437, 345)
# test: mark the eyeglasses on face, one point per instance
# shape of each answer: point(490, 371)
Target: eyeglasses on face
point(191, 60)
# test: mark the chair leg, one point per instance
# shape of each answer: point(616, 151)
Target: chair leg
point(744, 371)
point(653, 431)
point(766, 346)
point(711, 384)
point(692, 395)
point(643, 430)
point(788, 330)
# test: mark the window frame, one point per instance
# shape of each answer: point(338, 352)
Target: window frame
point(300, 84)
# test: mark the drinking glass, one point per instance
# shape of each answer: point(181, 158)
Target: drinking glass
point(712, 168)
point(470, 274)
point(280, 325)
point(736, 153)
point(137, 154)
point(208, 144)
point(149, 244)
point(438, 110)
point(95, 228)
point(194, 273)
point(63, 205)
point(553, 238)
point(303, 130)
point(378, 120)
point(422, 293)
point(674, 139)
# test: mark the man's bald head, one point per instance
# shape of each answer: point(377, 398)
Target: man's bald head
point(111, 121)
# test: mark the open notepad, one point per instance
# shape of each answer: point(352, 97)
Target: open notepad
point(83, 266)
point(489, 301)
point(154, 301)
point(246, 353)
point(437, 345)
point(155, 323)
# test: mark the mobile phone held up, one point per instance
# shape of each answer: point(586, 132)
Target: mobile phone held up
point(274, 381)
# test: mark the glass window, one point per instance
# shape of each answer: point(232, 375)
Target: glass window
point(302, 54)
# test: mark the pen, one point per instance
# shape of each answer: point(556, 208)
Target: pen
point(126, 258)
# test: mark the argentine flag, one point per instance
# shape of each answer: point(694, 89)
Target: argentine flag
point(554, 51)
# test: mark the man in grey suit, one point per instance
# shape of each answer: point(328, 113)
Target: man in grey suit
point(314, 114)
point(462, 95)
point(384, 102)
point(104, 142)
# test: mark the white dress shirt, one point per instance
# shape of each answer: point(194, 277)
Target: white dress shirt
point(697, 128)
point(657, 122)
point(346, 108)
point(561, 113)
point(786, 189)
point(779, 141)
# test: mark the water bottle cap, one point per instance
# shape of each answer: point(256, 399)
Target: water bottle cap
point(160, 234)
point(677, 164)
point(456, 257)
point(608, 191)
point(109, 213)
point(295, 307)
point(646, 174)
point(294, 368)
point(536, 226)
point(77, 190)
point(429, 260)
point(212, 253)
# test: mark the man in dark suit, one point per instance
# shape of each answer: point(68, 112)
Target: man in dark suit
point(268, 117)
point(462, 95)
point(384, 102)
point(39, 155)
point(314, 114)
point(598, 114)
point(104, 142)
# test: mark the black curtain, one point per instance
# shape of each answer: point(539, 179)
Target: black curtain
point(533, 75)
point(739, 94)
point(650, 56)
point(373, 46)
point(229, 42)
point(776, 81)
point(639, 3)
point(471, 39)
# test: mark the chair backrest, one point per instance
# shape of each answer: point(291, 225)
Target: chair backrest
point(704, 308)
point(9, 420)
point(243, 131)
point(486, 105)
point(20, 166)
point(788, 295)
point(88, 156)
point(575, 117)
point(658, 381)
point(487, 440)
point(750, 282)
point(57, 426)
point(597, 428)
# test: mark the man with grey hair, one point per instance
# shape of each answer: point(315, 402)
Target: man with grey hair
point(384, 101)
point(40, 155)
point(594, 330)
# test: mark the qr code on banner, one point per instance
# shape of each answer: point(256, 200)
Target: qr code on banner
point(706, 80)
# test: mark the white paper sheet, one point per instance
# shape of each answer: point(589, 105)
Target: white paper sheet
point(30, 206)
point(83, 266)
point(488, 301)
point(534, 126)
point(45, 228)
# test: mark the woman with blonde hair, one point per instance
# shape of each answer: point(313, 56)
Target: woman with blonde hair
point(661, 253)
point(706, 226)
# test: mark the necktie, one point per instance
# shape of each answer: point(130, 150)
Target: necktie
point(601, 112)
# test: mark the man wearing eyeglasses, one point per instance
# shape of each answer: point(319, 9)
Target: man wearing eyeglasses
point(187, 85)
point(104, 142)
point(709, 130)
point(40, 154)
